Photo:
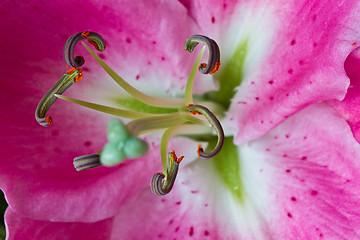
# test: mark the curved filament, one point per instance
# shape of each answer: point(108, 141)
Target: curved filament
point(198, 109)
point(92, 37)
point(161, 184)
point(87, 161)
point(214, 52)
point(68, 79)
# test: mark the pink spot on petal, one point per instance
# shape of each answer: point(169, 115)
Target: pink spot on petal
point(137, 76)
point(288, 170)
point(257, 98)
point(128, 40)
point(304, 158)
point(315, 44)
point(285, 155)
point(191, 231)
point(154, 42)
point(289, 215)
point(163, 58)
point(213, 19)
point(178, 203)
point(102, 56)
point(271, 98)
point(301, 62)
point(290, 71)
point(54, 133)
point(177, 229)
point(87, 144)
point(293, 42)
point(271, 82)
point(314, 193)
point(293, 199)
point(206, 233)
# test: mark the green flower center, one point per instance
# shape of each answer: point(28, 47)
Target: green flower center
point(189, 117)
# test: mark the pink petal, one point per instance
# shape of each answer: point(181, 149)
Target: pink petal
point(20, 227)
point(309, 174)
point(39, 160)
point(295, 54)
point(92, 195)
point(299, 182)
point(349, 108)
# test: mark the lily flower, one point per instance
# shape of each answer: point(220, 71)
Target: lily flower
point(280, 161)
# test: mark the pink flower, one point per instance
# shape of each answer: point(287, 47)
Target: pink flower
point(289, 168)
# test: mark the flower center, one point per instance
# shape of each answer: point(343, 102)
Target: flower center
point(175, 116)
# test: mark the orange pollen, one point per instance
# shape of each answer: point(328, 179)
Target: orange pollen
point(71, 71)
point(160, 174)
point(202, 65)
point(79, 77)
point(199, 149)
point(95, 45)
point(353, 43)
point(215, 68)
point(195, 113)
point(48, 119)
point(173, 155)
point(85, 34)
point(178, 161)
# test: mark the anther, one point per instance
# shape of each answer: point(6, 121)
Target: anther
point(69, 78)
point(215, 124)
point(86, 162)
point(93, 38)
point(214, 53)
point(162, 184)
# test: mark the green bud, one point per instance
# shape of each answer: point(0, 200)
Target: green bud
point(117, 131)
point(135, 147)
point(112, 154)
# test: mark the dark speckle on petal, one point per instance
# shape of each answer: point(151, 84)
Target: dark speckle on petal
point(293, 42)
point(191, 231)
point(314, 192)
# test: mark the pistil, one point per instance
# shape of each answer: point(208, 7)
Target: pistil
point(123, 139)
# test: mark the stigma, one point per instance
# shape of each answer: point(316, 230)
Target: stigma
point(183, 117)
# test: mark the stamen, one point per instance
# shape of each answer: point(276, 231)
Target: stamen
point(68, 79)
point(106, 109)
point(214, 53)
point(147, 99)
point(215, 124)
point(190, 83)
point(161, 184)
point(140, 126)
point(178, 129)
point(87, 161)
point(92, 37)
